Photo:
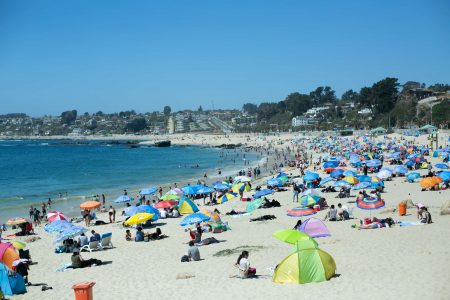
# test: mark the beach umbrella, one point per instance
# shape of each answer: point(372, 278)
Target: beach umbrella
point(253, 205)
point(18, 245)
point(56, 215)
point(305, 266)
point(409, 163)
point(206, 190)
point(241, 179)
point(148, 191)
point(170, 197)
point(226, 197)
point(349, 173)
point(215, 217)
point(328, 170)
point(373, 163)
point(337, 173)
point(123, 199)
point(221, 186)
point(301, 212)
point(293, 237)
point(138, 219)
point(400, 169)
point(90, 205)
point(351, 179)
point(132, 210)
point(241, 187)
point(341, 183)
point(194, 218)
point(315, 228)
point(175, 191)
point(310, 192)
point(274, 182)
point(70, 233)
point(429, 182)
point(187, 206)
point(310, 176)
point(57, 226)
point(364, 178)
point(262, 193)
point(370, 203)
point(308, 200)
point(8, 255)
point(166, 204)
point(361, 185)
point(326, 180)
point(191, 189)
point(330, 164)
point(442, 166)
point(16, 221)
point(384, 173)
point(445, 176)
point(412, 176)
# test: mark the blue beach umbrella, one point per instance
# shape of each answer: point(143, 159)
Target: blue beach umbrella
point(409, 163)
point(330, 164)
point(221, 187)
point(70, 233)
point(274, 182)
point(194, 218)
point(442, 166)
point(445, 175)
point(262, 193)
point(412, 176)
point(205, 190)
point(361, 185)
point(191, 189)
point(341, 183)
point(132, 210)
point(364, 178)
point(349, 173)
point(337, 173)
point(58, 226)
point(308, 200)
point(325, 180)
point(400, 169)
point(310, 176)
point(148, 191)
point(123, 198)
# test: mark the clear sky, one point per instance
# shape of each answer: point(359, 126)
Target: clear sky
point(93, 55)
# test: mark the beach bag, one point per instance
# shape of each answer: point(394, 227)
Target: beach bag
point(184, 258)
point(17, 284)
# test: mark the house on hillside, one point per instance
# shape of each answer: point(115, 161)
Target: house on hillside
point(302, 121)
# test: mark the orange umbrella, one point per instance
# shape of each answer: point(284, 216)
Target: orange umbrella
point(430, 181)
point(90, 205)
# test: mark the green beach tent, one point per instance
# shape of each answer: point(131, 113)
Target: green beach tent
point(305, 266)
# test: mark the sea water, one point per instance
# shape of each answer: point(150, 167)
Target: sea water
point(70, 172)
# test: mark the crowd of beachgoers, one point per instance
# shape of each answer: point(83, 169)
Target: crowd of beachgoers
point(310, 192)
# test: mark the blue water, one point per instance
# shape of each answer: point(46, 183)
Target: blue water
point(33, 171)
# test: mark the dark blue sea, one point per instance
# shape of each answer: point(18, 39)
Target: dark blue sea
point(70, 173)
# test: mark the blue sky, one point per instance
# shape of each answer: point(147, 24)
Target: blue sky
point(122, 55)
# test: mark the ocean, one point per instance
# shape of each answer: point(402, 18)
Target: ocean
point(70, 172)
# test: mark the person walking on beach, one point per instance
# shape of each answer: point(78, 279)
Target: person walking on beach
point(111, 213)
point(49, 203)
point(103, 200)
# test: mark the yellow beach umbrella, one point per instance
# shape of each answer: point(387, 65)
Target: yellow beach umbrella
point(138, 219)
point(351, 179)
point(18, 245)
point(213, 215)
point(242, 186)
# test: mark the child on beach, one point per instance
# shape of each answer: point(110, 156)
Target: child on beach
point(243, 264)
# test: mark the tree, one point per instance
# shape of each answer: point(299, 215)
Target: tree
point(200, 109)
point(385, 94)
point(136, 125)
point(350, 96)
point(439, 87)
point(409, 85)
point(68, 117)
point(441, 113)
point(322, 95)
point(250, 108)
point(167, 110)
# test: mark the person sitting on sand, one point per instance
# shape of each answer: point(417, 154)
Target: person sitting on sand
point(207, 241)
point(243, 264)
point(342, 212)
point(95, 236)
point(298, 225)
point(139, 235)
point(425, 216)
point(79, 262)
point(82, 240)
point(156, 235)
point(128, 236)
point(331, 214)
point(193, 252)
point(198, 235)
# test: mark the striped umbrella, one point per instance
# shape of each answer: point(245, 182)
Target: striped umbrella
point(241, 187)
point(301, 212)
point(370, 203)
point(18, 245)
point(351, 179)
point(215, 217)
point(226, 197)
point(308, 200)
point(56, 215)
point(310, 192)
point(170, 197)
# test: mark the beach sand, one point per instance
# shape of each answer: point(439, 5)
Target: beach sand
point(394, 263)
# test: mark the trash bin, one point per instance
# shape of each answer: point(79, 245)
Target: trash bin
point(83, 290)
point(402, 209)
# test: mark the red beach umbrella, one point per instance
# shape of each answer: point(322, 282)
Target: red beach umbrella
point(301, 212)
point(166, 204)
point(56, 215)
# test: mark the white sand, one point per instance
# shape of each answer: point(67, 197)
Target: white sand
point(394, 263)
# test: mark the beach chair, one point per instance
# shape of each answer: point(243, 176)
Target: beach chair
point(106, 241)
point(95, 245)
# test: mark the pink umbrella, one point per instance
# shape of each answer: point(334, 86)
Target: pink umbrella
point(56, 215)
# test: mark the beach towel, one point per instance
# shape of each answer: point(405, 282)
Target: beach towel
point(409, 223)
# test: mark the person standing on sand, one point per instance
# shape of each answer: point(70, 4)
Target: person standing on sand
point(49, 203)
point(103, 199)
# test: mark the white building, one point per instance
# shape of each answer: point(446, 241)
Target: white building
point(302, 121)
